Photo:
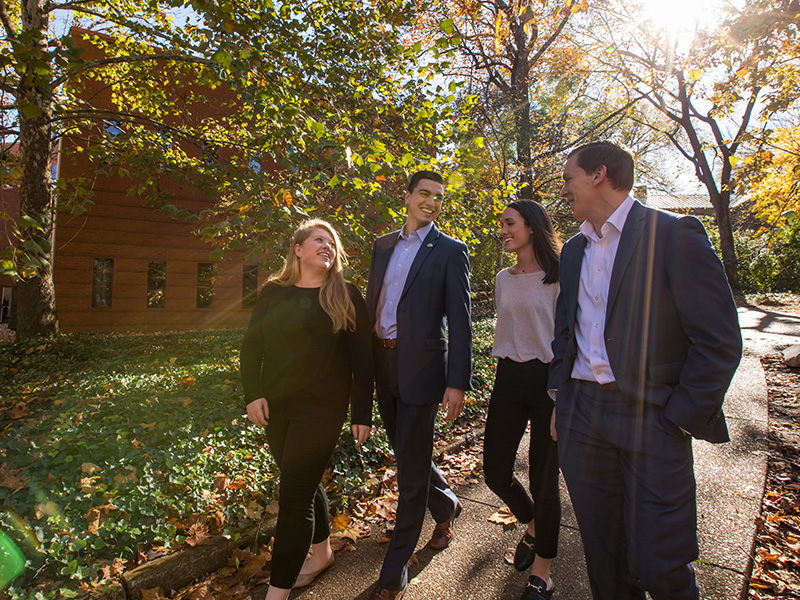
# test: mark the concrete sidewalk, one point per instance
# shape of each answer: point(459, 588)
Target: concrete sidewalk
point(730, 481)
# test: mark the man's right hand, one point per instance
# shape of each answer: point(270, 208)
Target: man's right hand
point(553, 425)
point(258, 412)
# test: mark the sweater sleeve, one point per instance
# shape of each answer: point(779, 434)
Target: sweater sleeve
point(252, 351)
point(359, 345)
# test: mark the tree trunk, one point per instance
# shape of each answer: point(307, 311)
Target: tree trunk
point(37, 301)
point(522, 130)
point(726, 243)
point(521, 105)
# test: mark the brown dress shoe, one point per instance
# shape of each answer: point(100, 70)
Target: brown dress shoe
point(443, 532)
point(380, 593)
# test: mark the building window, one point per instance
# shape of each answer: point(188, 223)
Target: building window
point(156, 283)
point(102, 282)
point(205, 285)
point(249, 285)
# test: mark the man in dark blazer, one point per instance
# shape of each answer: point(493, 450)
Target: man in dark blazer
point(418, 282)
point(647, 341)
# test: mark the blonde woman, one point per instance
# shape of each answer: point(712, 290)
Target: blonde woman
point(306, 355)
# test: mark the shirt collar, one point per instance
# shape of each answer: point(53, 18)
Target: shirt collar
point(616, 220)
point(421, 233)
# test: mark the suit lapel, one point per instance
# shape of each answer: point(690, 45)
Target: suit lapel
point(428, 244)
point(629, 238)
point(570, 269)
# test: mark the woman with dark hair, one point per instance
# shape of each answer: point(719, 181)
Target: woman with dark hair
point(306, 353)
point(525, 296)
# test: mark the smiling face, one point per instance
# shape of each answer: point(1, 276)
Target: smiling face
point(580, 189)
point(424, 203)
point(317, 252)
point(514, 232)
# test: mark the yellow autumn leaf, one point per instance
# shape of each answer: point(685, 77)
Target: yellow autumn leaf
point(694, 74)
point(498, 21)
point(340, 521)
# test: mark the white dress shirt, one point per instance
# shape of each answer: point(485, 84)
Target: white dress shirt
point(403, 255)
point(592, 364)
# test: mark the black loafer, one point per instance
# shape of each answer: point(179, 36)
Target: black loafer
point(525, 553)
point(537, 589)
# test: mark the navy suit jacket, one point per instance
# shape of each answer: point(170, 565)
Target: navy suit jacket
point(671, 330)
point(436, 290)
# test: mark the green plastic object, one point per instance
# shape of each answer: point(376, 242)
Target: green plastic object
point(12, 560)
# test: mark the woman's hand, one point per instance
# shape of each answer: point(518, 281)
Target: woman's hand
point(258, 412)
point(361, 433)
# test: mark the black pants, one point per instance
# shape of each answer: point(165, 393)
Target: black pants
point(302, 434)
point(520, 396)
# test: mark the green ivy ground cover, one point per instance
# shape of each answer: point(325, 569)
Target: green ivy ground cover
point(113, 445)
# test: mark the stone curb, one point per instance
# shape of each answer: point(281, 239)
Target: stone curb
point(181, 568)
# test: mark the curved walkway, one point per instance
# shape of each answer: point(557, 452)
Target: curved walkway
point(730, 482)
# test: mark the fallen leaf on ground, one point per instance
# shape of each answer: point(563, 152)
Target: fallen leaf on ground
point(11, 479)
point(153, 594)
point(504, 517)
point(342, 544)
point(509, 556)
point(198, 536)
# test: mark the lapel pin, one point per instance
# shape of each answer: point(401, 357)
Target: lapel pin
point(430, 245)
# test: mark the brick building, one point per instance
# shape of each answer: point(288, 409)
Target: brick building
point(125, 266)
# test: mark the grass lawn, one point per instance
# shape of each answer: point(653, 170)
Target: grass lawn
point(115, 448)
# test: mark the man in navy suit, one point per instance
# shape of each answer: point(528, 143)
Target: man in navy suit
point(647, 341)
point(418, 281)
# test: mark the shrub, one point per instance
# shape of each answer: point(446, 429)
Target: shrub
point(768, 261)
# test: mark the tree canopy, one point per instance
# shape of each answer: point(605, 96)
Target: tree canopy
point(717, 89)
point(276, 110)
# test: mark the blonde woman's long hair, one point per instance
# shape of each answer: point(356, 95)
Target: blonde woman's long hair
point(333, 295)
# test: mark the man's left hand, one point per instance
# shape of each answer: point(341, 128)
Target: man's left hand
point(453, 403)
point(360, 433)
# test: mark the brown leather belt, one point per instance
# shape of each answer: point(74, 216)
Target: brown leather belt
point(388, 343)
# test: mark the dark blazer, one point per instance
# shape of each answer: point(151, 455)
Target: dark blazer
point(671, 330)
point(437, 288)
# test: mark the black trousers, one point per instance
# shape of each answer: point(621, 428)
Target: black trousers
point(519, 397)
point(302, 434)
